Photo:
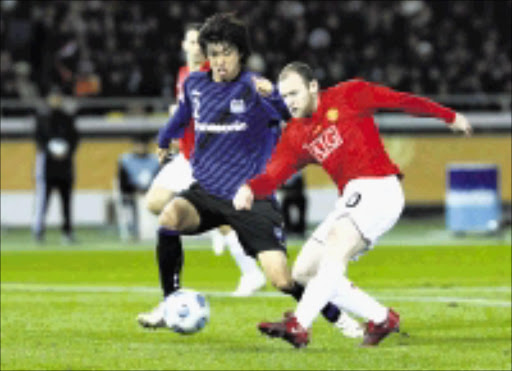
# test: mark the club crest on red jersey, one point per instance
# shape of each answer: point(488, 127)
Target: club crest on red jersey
point(332, 115)
point(325, 143)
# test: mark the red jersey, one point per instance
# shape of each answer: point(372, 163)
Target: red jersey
point(342, 135)
point(186, 143)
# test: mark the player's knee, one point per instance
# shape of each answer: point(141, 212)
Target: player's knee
point(179, 215)
point(154, 205)
point(156, 199)
point(171, 217)
point(281, 284)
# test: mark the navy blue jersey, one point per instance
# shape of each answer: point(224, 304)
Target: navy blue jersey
point(235, 128)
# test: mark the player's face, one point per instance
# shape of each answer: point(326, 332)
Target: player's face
point(192, 48)
point(298, 96)
point(224, 61)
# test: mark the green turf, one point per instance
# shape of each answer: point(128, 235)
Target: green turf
point(74, 307)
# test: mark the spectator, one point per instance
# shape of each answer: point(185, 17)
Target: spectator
point(56, 139)
point(136, 170)
point(357, 38)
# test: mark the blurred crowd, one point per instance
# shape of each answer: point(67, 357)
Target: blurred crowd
point(132, 48)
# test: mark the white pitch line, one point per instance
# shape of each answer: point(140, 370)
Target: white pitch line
point(223, 294)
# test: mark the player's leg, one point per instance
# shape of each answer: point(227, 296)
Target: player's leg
point(173, 177)
point(321, 281)
point(251, 277)
point(157, 197)
point(177, 217)
point(305, 268)
point(187, 214)
point(319, 290)
point(261, 234)
point(65, 187)
point(343, 242)
point(218, 239)
point(169, 252)
point(42, 196)
point(364, 217)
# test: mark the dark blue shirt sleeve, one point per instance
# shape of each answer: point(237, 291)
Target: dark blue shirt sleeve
point(175, 126)
point(275, 101)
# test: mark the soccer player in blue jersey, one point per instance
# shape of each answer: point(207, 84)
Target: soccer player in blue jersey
point(235, 133)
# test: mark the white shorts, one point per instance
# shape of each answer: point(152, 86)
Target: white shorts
point(176, 175)
point(373, 204)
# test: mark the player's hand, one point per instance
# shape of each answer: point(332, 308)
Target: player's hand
point(162, 154)
point(461, 124)
point(244, 198)
point(172, 109)
point(263, 86)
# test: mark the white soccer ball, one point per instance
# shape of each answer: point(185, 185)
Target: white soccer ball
point(186, 311)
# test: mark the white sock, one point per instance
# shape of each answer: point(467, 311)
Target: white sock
point(318, 292)
point(218, 240)
point(246, 263)
point(356, 301)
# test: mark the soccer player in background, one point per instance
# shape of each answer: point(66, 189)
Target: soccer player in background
point(335, 128)
point(235, 133)
point(176, 174)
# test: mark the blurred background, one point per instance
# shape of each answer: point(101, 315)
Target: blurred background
point(117, 61)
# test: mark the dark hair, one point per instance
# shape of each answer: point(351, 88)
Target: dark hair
point(225, 27)
point(300, 68)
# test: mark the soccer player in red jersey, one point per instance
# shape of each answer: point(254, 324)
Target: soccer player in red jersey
point(335, 128)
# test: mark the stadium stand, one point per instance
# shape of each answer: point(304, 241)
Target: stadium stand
point(118, 48)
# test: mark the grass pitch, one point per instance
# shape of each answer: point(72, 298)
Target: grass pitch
point(74, 307)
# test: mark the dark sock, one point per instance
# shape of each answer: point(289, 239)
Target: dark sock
point(169, 255)
point(330, 312)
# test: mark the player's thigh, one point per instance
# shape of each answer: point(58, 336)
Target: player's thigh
point(157, 197)
point(180, 215)
point(225, 229)
point(211, 210)
point(361, 216)
point(274, 264)
point(306, 263)
point(259, 229)
point(174, 177)
point(344, 241)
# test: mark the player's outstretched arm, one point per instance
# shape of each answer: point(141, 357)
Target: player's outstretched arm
point(369, 97)
point(461, 124)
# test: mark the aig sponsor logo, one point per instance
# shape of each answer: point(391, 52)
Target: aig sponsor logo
point(325, 143)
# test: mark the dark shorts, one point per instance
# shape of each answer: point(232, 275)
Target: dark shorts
point(258, 229)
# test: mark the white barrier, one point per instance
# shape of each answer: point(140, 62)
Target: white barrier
point(90, 208)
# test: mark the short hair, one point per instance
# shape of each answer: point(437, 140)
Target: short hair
point(300, 68)
point(225, 27)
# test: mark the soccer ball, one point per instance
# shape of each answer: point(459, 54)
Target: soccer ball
point(186, 311)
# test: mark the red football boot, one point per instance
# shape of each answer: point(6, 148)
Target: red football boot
point(275, 329)
point(288, 329)
point(375, 333)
